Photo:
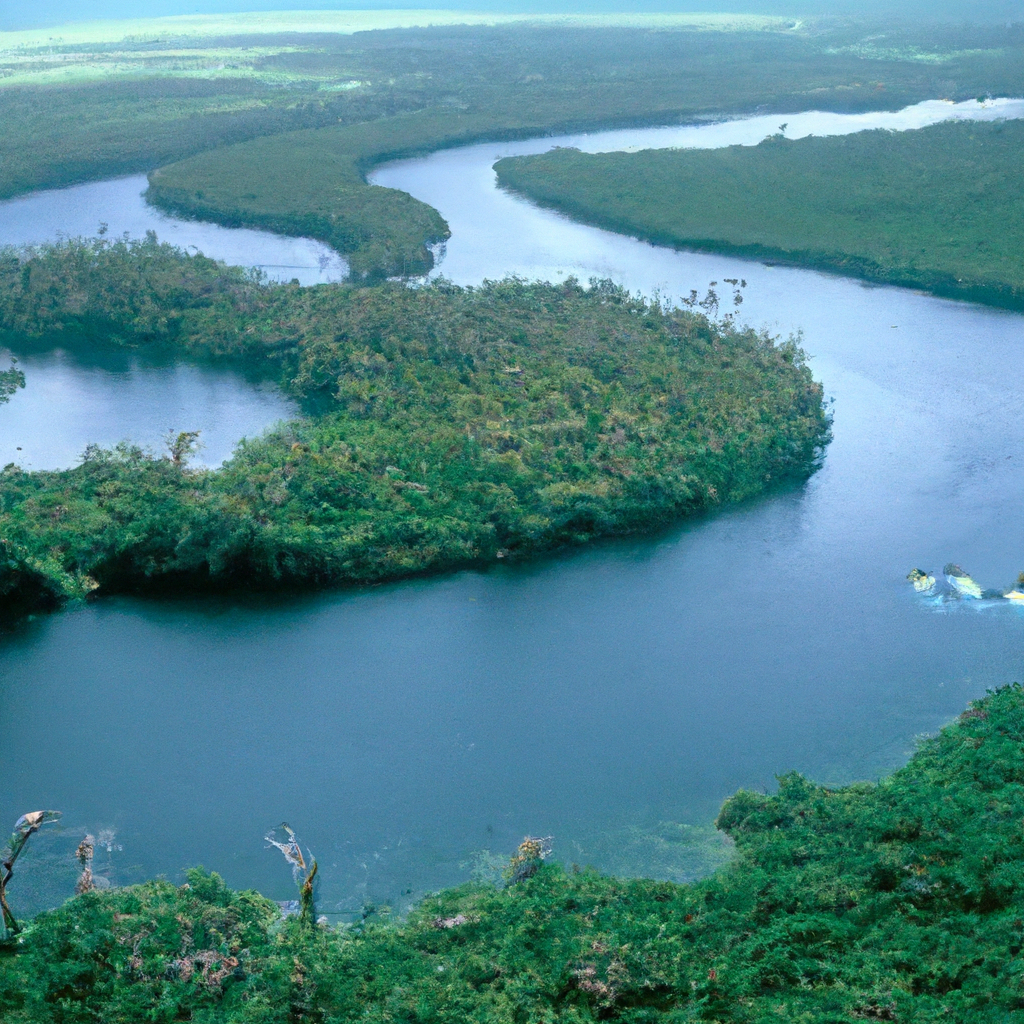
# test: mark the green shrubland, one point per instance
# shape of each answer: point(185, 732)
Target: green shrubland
point(937, 208)
point(310, 183)
point(452, 426)
point(896, 901)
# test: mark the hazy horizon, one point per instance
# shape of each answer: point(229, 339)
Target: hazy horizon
point(22, 14)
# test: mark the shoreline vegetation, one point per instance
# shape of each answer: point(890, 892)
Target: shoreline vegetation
point(248, 124)
point(934, 208)
point(454, 426)
point(895, 901)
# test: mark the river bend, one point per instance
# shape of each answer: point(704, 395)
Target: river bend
point(409, 731)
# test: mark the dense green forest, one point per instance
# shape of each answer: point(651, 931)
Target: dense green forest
point(938, 208)
point(313, 183)
point(453, 426)
point(891, 902)
point(79, 111)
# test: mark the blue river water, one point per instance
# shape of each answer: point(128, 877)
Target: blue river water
point(611, 697)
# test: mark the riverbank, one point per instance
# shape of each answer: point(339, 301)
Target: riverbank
point(895, 901)
point(935, 208)
point(459, 426)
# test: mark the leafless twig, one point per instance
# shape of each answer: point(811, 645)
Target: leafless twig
point(25, 826)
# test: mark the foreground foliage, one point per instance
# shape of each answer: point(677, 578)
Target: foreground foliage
point(452, 426)
point(937, 208)
point(891, 902)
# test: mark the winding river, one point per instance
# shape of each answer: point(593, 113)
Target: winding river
point(408, 731)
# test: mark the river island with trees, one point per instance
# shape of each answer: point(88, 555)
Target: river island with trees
point(453, 426)
point(936, 208)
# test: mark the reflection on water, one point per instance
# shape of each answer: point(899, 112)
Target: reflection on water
point(413, 733)
point(73, 399)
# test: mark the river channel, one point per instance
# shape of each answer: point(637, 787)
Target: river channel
point(414, 731)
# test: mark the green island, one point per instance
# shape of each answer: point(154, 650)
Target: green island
point(451, 426)
point(937, 208)
point(896, 901)
point(274, 121)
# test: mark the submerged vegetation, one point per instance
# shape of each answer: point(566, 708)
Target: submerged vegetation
point(936, 208)
point(891, 902)
point(452, 427)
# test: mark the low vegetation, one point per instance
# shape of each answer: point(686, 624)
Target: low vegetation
point(10, 380)
point(453, 426)
point(937, 208)
point(891, 902)
point(310, 183)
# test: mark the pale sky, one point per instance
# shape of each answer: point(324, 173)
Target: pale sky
point(31, 13)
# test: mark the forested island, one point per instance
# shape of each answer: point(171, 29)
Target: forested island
point(891, 902)
point(936, 208)
point(452, 426)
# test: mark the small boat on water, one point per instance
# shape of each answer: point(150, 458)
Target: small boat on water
point(924, 583)
point(962, 584)
point(958, 585)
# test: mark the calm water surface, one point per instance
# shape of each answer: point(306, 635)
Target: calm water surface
point(74, 398)
point(117, 207)
point(402, 728)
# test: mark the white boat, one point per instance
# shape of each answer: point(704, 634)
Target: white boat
point(924, 583)
point(962, 584)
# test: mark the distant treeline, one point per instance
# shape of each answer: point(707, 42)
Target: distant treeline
point(461, 84)
point(891, 902)
point(456, 426)
point(938, 208)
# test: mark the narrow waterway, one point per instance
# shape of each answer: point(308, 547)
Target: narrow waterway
point(117, 207)
point(406, 731)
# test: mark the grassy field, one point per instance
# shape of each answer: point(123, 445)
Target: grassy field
point(891, 902)
point(939, 208)
point(452, 427)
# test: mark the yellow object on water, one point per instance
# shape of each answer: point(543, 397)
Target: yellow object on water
point(1014, 595)
point(923, 582)
point(961, 582)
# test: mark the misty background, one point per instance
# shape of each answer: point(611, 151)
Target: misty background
point(16, 14)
